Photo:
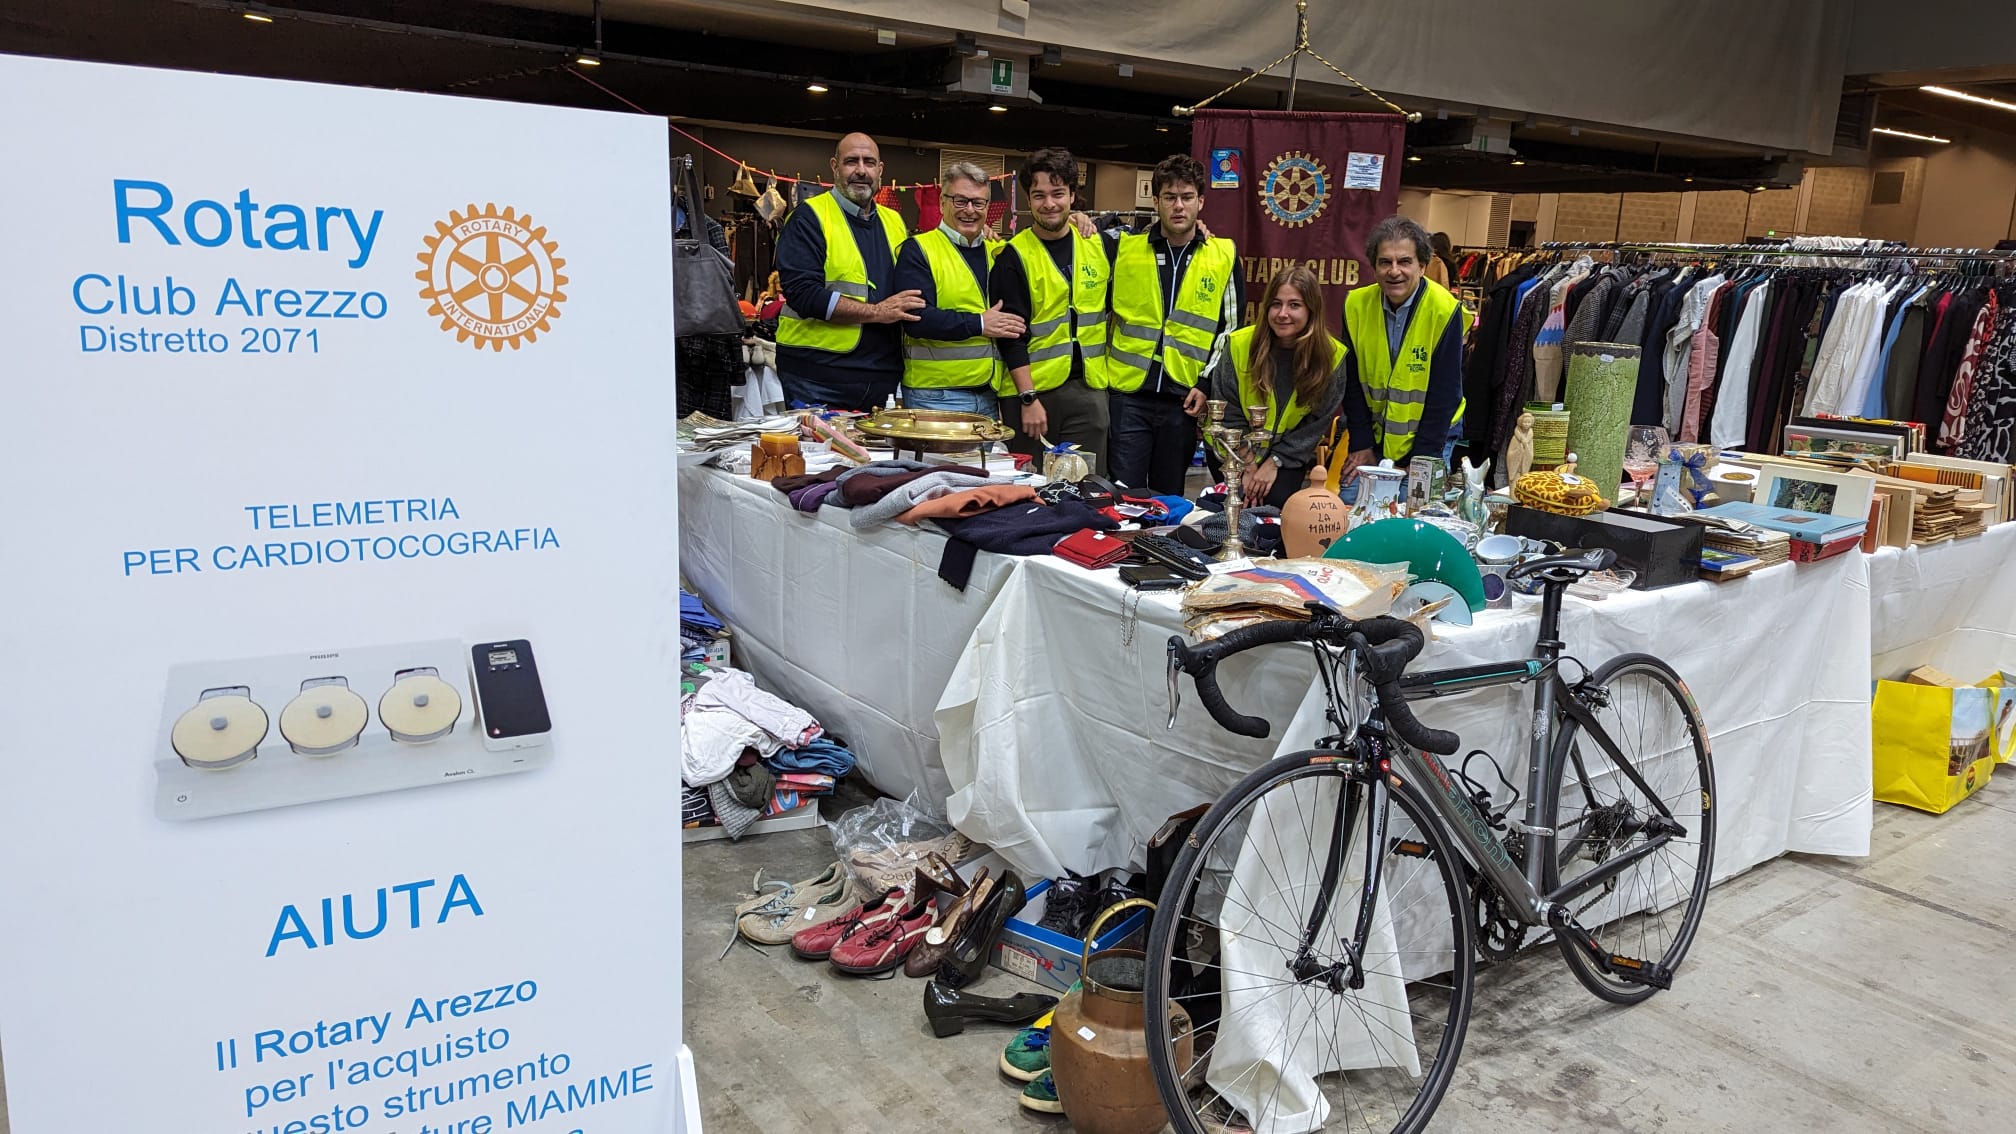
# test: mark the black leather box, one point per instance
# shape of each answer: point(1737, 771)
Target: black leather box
point(1662, 552)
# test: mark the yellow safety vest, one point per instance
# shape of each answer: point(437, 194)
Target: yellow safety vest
point(1139, 312)
point(1062, 311)
point(1397, 396)
point(1280, 419)
point(846, 273)
point(939, 364)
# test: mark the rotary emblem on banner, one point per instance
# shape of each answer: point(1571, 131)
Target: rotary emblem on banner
point(492, 277)
point(1294, 189)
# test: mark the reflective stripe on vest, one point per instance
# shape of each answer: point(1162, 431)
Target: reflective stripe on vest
point(937, 364)
point(1052, 301)
point(1280, 420)
point(1397, 395)
point(1141, 319)
point(846, 273)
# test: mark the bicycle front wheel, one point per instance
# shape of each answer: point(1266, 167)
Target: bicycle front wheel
point(1266, 1008)
point(1603, 806)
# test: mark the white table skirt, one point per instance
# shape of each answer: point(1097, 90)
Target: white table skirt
point(1055, 746)
point(854, 626)
point(1952, 605)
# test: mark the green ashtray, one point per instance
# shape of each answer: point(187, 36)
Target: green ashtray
point(1428, 551)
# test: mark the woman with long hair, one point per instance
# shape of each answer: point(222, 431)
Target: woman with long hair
point(1290, 363)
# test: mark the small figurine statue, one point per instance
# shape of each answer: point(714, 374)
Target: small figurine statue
point(1473, 492)
point(1519, 451)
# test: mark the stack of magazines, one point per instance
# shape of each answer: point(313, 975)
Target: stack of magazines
point(1801, 536)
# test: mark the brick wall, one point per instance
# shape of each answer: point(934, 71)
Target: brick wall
point(1649, 217)
point(1586, 216)
point(1838, 194)
point(1718, 217)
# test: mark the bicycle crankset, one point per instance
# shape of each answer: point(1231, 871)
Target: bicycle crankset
point(1499, 935)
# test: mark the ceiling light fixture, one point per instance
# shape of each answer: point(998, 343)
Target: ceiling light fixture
point(593, 58)
point(1909, 134)
point(1688, 180)
point(998, 108)
point(1518, 161)
point(1973, 98)
point(1413, 157)
point(816, 88)
point(256, 13)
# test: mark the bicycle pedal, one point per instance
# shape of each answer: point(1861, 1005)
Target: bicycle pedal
point(1631, 970)
point(1412, 848)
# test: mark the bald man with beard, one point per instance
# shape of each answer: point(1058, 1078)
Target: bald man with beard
point(839, 338)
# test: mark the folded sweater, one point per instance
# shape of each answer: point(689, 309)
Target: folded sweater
point(914, 490)
point(967, 502)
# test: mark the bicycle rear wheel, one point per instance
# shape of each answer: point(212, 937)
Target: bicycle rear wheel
point(1647, 915)
point(1243, 1037)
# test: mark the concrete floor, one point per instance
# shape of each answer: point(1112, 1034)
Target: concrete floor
point(1845, 995)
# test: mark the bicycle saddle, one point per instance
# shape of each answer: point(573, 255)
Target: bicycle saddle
point(1566, 568)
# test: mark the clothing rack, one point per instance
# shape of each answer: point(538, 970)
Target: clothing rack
point(1889, 252)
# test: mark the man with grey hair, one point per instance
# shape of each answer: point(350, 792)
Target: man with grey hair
point(949, 361)
point(1403, 394)
point(837, 339)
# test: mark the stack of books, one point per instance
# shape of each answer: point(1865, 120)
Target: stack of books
point(1719, 566)
point(1937, 518)
point(1810, 536)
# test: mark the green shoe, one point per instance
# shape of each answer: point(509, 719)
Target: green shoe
point(1027, 1056)
point(1041, 1095)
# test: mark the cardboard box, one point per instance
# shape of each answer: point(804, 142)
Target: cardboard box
point(1661, 552)
point(1034, 953)
point(1929, 675)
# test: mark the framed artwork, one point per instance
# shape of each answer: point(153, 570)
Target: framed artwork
point(1818, 490)
point(1838, 441)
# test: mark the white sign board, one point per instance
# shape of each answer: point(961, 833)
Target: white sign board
point(339, 778)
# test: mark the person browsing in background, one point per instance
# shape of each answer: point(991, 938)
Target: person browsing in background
point(770, 303)
point(1442, 264)
point(837, 339)
point(1403, 393)
point(949, 361)
point(1175, 291)
point(1055, 277)
point(1289, 363)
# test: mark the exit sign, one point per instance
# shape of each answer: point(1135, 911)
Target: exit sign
point(1003, 81)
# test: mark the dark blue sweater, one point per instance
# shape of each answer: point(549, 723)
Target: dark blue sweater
point(913, 271)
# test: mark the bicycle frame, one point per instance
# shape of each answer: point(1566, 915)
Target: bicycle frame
point(1428, 776)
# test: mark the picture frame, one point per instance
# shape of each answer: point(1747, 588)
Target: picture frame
point(1814, 489)
point(1835, 442)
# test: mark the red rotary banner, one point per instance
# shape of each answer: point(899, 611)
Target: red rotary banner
point(1299, 187)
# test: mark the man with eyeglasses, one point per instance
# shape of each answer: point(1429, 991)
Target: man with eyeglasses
point(949, 361)
point(1055, 276)
point(1175, 292)
point(837, 339)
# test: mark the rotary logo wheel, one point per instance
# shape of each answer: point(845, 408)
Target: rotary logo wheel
point(1295, 188)
point(492, 277)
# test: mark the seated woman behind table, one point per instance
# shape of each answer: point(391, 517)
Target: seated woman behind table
point(1292, 364)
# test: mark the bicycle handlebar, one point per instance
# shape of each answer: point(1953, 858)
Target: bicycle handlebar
point(1384, 647)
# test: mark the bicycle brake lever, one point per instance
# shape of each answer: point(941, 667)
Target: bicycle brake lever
point(1175, 690)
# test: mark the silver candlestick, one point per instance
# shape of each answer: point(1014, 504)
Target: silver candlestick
point(1236, 442)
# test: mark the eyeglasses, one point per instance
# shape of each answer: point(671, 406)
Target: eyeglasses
point(966, 204)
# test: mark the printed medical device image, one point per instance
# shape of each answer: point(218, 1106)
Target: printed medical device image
point(259, 733)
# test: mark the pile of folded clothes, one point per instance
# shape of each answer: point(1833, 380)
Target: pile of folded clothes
point(746, 754)
point(698, 628)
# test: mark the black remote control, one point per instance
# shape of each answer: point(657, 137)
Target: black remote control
point(1184, 560)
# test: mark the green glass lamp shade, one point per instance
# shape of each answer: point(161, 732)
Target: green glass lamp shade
point(1428, 551)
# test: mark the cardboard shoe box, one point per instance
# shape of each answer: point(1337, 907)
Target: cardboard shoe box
point(1034, 953)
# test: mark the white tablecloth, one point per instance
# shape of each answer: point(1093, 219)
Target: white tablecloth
point(854, 626)
point(1952, 605)
point(1055, 746)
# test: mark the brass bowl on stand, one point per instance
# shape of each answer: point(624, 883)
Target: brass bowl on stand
point(922, 431)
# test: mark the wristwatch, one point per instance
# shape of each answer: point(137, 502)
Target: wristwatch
point(1028, 397)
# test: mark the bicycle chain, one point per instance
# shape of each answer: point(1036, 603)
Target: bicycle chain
point(1499, 936)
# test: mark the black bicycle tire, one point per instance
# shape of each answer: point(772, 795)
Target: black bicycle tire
point(1578, 961)
point(1256, 783)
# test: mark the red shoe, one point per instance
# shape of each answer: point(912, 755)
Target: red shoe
point(882, 946)
point(815, 943)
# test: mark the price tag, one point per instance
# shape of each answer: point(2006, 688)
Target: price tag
point(1020, 963)
point(1087, 1034)
point(1230, 565)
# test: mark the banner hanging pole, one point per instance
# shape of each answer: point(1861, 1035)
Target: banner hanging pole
point(1301, 41)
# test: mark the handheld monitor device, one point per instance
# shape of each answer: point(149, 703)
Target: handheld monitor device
point(509, 700)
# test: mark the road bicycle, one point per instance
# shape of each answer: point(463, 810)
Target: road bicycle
point(1312, 960)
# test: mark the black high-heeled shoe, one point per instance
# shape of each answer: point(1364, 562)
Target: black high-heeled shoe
point(974, 946)
point(948, 1010)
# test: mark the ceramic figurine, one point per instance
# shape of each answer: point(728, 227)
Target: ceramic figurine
point(1473, 491)
point(1519, 451)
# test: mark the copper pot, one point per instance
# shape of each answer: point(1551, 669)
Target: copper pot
point(1099, 1041)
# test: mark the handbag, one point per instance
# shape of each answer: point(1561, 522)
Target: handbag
point(1092, 549)
point(703, 279)
point(1937, 745)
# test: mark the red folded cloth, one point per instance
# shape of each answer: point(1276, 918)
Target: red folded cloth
point(968, 502)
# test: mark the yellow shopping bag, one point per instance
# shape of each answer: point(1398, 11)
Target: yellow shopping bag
point(1935, 746)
